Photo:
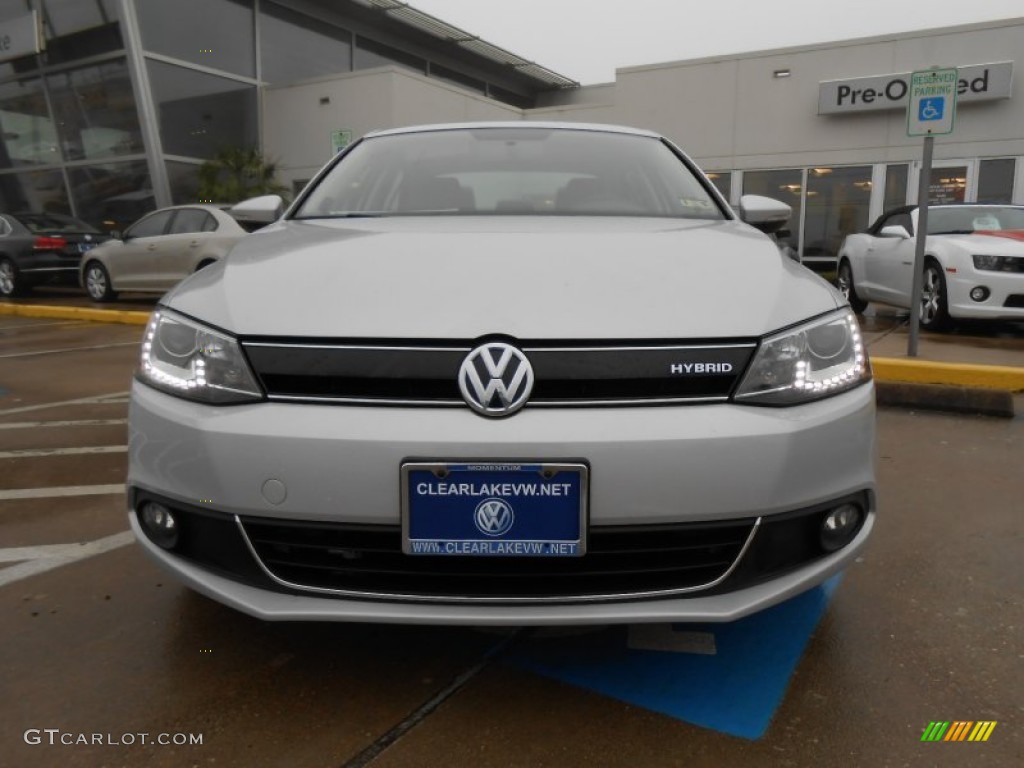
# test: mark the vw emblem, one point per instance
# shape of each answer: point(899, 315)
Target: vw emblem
point(493, 517)
point(496, 379)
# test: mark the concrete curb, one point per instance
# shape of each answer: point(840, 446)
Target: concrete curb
point(957, 387)
point(960, 387)
point(919, 371)
point(938, 397)
point(128, 317)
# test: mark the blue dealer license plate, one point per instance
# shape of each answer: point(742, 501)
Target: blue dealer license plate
point(494, 509)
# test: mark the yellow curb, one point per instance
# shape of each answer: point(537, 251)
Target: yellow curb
point(125, 316)
point(951, 374)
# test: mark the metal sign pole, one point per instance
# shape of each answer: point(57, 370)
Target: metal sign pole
point(923, 186)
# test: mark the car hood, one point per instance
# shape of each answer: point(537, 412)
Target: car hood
point(525, 277)
point(1005, 242)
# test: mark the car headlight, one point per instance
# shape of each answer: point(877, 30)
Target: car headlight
point(818, 359)
point(997, 263)
point(185, 358)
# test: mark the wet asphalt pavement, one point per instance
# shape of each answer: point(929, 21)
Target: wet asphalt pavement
point(100, 645)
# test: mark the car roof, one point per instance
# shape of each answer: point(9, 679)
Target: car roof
point(526, 124)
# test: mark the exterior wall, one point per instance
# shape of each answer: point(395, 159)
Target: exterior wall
point(730, 112)
point(297, 124)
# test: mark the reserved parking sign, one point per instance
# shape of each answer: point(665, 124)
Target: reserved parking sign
point(932, 106)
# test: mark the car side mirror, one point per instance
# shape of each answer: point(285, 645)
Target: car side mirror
point(258, 210)
point(894, 230)
point(764, 213)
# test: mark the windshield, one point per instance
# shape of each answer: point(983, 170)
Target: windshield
point(510, 171)
point(965, 219)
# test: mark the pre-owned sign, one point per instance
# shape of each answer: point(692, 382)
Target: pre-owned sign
point(977, 82)
point(19, 36)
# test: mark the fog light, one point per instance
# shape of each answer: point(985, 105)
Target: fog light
point(160, 524)
point(979, 293)
point(839, 527)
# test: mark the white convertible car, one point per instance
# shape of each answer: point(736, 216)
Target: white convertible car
point(974, 263)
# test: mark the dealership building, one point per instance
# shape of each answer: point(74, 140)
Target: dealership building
point(110, 107)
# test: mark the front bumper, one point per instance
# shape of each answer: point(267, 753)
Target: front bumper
point(649, 466)
point(1004, 302)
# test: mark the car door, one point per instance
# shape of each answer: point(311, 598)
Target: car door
point(189, 232)
point(889, 261)
point(135, 263)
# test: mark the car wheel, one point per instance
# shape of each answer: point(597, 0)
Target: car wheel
point(934, 310)
point(97, 282)
point(11, 283)
point(844, 280)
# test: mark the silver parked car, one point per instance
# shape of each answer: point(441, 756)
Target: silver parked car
point(512, 373)
point(155, 253)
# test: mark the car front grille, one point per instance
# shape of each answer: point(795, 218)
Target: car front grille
point(1014, 301)
point(621, 562)
point(565, 374)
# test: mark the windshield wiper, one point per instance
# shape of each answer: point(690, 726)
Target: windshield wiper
point(954, 232)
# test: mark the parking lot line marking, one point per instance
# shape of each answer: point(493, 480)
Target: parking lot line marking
point(15, 494)
point(71, 349)
point(96, 399)
point(33, 453)
point(60, 554)
point(80, 423)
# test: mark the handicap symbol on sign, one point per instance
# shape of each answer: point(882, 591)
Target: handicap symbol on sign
point(931, 109)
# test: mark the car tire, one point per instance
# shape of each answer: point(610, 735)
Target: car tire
point(844, 281)
point(933, 312)
point(97, 282)
point(11, 282)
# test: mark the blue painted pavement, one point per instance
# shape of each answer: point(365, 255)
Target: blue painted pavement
point(735, 691)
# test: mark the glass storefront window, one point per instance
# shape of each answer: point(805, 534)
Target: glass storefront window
point(785, 185)
point(995, 180)
point(838, 200)
point(112, 195)
point(370, 53)
point(458, 78)
point(213, 33)
point(294, 46)
point(28, 133)
point(722, 181)
point(184, 178)
point(65, 17)
point(95, 112)
point(76, 29)
point(947, 185)
point(895, 186)
point(200, 113)
point(35, 191)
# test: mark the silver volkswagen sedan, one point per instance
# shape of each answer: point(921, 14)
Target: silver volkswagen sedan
point(505, 373)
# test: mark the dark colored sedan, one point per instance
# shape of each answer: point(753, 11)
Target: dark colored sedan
point(42, 248)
